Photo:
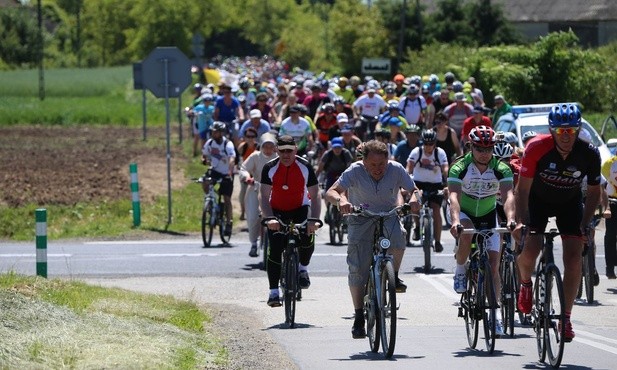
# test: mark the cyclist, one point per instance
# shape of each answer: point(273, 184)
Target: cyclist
point(227, 110)
point(344, 91)
point(288, 186)
point(221, 155)
point(609, 170)
point(298, 128)
point(478, 119)
point(501, 107)
point(412, 136)
point(473, 184)
point(334, 161)
point(428, 165)
point(369, 106)
point(373, 183)
point(325, 121)
point(256, 122)
point(250, 173)
point(446, 137)
point(204, 111)
point(399, 89)
point(458, 112)
point(413, 106)
point(552, 172)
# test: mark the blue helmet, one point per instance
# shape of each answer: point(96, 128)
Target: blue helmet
point(567, 115)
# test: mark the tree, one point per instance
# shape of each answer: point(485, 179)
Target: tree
point(20, 37)
point(489, 24)
point(74, 7)
point(450, 24)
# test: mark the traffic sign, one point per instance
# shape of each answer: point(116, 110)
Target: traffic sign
point(166, 72)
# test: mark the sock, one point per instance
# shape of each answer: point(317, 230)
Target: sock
point(359, 316)
point(301, 267)
point(567, 314)
point(460, 269)
point(396, 275)
point(274, 291)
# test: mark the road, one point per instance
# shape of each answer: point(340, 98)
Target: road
point(429, 331)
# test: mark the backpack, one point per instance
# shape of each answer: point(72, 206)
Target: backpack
point(407, 101)
point(434, 152)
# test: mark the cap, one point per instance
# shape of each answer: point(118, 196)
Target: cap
point(399, 77)
point(255, 113)
point(471, 80)
point(478, 109)
point(337, 142)
point(499, 97)
point(342, 117)
point(395, 121)
point(267, 138)
point(460, 96)
point(286, 142)
point(370, 91)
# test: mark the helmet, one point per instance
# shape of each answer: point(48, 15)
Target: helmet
point(412, 128)
point(207, 97)
point(429, 136)
point(197, 87)
point(482, 136)
point(393, 106)
point(413, 88)
point(449, 77)
point(457, 86)
point(382, 134)
point(327, 108)
point(338, 100)
point(433, 79)
point(324, 84)
point(354, 80)
point(389, 90)
point(244, 83)
point(503, 150)
point(564, 115)
point(218, 126)
point(416, 80)
point(373, 84)
point(529, 135)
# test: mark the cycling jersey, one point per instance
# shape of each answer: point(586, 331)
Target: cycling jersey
point(219, 154)
point(324, 123)
point(427, 168)
point(298, 130)
point(412, 109)
point(479, 190)
point(289, 184)
point(557, 180)
point(370, 106)
point(227, 113)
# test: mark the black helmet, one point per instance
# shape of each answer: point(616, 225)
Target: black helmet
point(429, 136)
point(219, 126)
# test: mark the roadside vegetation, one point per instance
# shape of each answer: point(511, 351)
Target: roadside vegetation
point(52, 324)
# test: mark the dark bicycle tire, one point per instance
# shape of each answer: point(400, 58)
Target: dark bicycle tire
point(264, 246)
point(407, 224)
point(508, 292)
point(222, 221)
point(468, 303)
point(332, 230)
point(554, 313)
point(373, 326)
point(387, 314)
point(290, 288)
point(537, 315)
point(207, 226)
point(489, 304)
point(338, 221)
point(426, 239)
point(588, 269)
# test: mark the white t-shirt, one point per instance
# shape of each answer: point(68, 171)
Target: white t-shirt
point(299, 130)
point(427, 169)
point(219, 154)
point(370, 106)
point(412, 108)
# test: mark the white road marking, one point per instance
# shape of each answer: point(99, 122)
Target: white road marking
point(26, 255)
point(180, 254)
point(144, 242)
point(448, 292)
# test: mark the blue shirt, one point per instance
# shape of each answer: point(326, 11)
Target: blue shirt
point(204, 117)
point(227, 113)
point(264, 127)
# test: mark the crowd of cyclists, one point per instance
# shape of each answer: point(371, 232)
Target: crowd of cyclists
point(286, 132)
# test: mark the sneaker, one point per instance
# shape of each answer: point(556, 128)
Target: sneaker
point(357, 330)
point(228, 229)
point(569, 332)
point(274, 300)
point(460, 283)
point(416, 233)
point(499, 328)
point(523, 303)
point(438, 247)
point(400, 287)
point(610, 273)
point(596, 278)
point(304, 280)
point(253, 251)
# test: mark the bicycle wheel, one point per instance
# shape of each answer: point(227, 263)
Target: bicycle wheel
point(555, 315)
point(537, 314)
point(407, 223)
point(263, 245)
point(207, 224)
point(290, 288)
point(508, 282)
point(338, 221)
point(223, 223)
point(426, 238)
point(588, 267)
point(489, 307)
point(469, 308)
point(373, 325)
point(387, 313)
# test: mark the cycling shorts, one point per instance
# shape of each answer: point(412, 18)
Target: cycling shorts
point(568, 216)
point(488, 221)
point(226, 186)
point(431, 188)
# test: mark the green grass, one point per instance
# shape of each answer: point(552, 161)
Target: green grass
point(61, 323)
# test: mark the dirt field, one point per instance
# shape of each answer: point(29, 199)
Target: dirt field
point(66, 165)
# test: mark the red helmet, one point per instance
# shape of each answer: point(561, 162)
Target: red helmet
point(482, 136)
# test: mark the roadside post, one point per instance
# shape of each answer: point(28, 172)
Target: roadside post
point(41, 242)
point(135, 195)
point(138, 85)
point(166, 73)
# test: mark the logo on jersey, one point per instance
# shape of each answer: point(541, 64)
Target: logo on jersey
point(552, 166)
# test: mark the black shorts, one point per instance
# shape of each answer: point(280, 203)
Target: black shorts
point(431, 188)
point(227, 185)
point(568, 215)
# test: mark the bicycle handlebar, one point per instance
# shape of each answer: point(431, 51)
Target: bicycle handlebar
point(360, 210)
point(286, 225)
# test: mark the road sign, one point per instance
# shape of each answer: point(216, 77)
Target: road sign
point(381, 66)
point(166, 72)
point(137, 77)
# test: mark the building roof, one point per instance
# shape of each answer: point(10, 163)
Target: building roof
point(551, 10)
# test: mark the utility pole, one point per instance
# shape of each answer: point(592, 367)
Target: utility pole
point(41, 52)
point(401, 37)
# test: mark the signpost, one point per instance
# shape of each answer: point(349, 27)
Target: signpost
point(376, 66)
point(138, 84)
point(166, 72)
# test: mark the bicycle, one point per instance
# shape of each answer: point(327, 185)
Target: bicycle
point(264, 246)
point(548, 309)
point(335, 224)
point(509, 285)
point(290, 263)
point(589, 273)
point(427, 234)
point(380, 300)
point(479, 302)
point(213, 212)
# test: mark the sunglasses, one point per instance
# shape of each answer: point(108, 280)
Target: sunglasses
point(565, 130)
point(250, 137)
point(438, 121)
point(483, 149)
point(286, 150)
point(262, 100)
point(429, 143)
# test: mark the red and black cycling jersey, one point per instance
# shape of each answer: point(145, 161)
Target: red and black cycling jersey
point(289, 184)
point(557, 180)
